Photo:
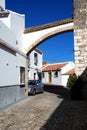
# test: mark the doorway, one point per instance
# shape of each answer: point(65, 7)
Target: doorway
point(49, 77)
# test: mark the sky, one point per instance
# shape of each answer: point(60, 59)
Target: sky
point(59, 48)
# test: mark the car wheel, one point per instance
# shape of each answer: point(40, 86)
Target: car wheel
point(34, 92)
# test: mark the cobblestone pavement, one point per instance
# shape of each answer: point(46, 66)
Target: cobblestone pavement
point(48, 111)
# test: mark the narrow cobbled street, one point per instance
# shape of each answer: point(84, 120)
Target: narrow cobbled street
point(52, 110)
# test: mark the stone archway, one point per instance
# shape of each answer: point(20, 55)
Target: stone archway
point(36, 35)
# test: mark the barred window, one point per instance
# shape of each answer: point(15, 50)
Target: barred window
point(22, 75)
point(35, 58)
point(56, 74)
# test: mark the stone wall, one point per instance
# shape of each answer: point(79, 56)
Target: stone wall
point(80, 35)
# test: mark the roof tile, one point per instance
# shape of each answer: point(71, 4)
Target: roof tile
point(70, 72)
point(51, 67)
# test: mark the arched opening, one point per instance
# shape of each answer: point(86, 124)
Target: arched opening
point(60, 51)
point(43, 39)
point(46, 34)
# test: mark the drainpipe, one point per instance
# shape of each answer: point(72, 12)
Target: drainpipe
point(27, 75)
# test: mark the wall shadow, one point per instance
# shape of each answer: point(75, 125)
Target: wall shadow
point(61, 91)
point(79, 89)
point(69, 114)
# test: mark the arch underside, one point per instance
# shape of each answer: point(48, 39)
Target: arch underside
point(49, 35)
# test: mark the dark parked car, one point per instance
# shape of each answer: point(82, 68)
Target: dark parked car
point(35, 86)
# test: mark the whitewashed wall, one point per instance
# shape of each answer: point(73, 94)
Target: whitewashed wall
point(45, 78)
point(61, 79)
point(68, 67)
point(7, 35)
point(64, 79)
point(11, 31)
point(2, 3)
point(13, 28)
point(54, 80)
point(17, 26)
point(11, 58)
point(32, 67)
point(10, 68)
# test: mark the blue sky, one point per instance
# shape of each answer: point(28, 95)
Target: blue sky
point(37, 12)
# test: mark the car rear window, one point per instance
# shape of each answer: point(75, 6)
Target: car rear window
point(31, 83)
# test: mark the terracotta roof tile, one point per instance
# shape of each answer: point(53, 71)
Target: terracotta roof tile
point(70, 72)
point(51, 67)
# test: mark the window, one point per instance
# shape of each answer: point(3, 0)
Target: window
point(16, 42)
point(56, 74)
point(35, 58)
point(22, 75)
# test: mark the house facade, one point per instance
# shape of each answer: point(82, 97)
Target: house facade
point(12, 58)
point(55, 73)
point(35, 65)
point(2, 4)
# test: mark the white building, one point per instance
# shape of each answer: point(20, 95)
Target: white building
point(2, 4)
point(35, 64)
point(57, 73)
point(12, 59)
